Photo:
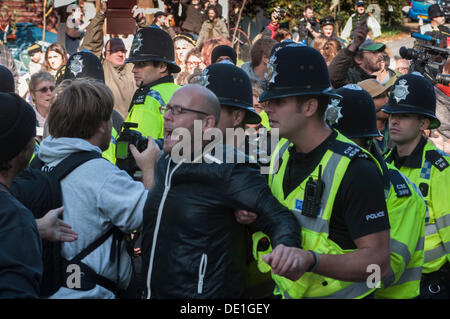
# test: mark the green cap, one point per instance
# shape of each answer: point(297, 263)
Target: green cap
point(369, 45)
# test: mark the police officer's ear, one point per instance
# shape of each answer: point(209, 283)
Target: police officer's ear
point(163, 67)
point(424, 123)
point(238, 117)
point(310, 106)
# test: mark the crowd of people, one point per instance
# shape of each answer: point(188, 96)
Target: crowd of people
point(357, 178)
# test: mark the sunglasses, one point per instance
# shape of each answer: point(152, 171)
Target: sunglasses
point(45, 89)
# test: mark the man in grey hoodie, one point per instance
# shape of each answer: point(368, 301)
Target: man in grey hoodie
point(96, 195)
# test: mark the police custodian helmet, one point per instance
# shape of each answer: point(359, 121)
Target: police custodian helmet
point(358, 113)
point(413, 94)
point(294, 69)
point(153, 44)
point(83, 64)
point(232, 86)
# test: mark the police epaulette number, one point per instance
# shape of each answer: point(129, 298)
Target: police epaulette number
point(346, 149)
point(400, 185)
point(437, 160)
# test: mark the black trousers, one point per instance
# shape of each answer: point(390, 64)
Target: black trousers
point(436, 285)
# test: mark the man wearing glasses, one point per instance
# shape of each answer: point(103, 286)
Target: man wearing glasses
point(153, 56)
point(192, 246)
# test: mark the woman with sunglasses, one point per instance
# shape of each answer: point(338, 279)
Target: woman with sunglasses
point(41, 87)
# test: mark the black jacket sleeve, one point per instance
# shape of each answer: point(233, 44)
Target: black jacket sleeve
point(246, 189)
point(20, 257)
point(339, 67)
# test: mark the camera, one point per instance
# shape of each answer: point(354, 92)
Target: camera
point(279, 13)
point(124, 158)
point(427, 59)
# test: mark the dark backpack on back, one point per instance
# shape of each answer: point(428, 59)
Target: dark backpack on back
point(40, 192)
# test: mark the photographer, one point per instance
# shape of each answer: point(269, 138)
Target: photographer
point(436, 27)
point(271, 30)
point(309, 27)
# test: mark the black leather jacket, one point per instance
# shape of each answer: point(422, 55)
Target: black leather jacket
point(199, 248)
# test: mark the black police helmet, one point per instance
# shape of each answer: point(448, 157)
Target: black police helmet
point(232, 86)
point(328, 20)
point(413, 94)
point(295, 69)
point(84, 64)
point(153, 44)
point(358, 113)
point(7, 84)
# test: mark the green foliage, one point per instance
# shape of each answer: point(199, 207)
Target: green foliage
point(322, 9)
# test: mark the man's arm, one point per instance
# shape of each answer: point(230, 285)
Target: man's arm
point(361, 200)
point(247, 189)
point(339, 66)
point(372, 249)
point(93, 38)
point(344, 59)
point(373, 24)
point(54, 229)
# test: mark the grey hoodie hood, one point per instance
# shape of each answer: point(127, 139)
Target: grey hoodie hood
point(54, 150)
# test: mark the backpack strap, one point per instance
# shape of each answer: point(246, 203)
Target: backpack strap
point(91, 278)
point(71, 162)
point(93, 246)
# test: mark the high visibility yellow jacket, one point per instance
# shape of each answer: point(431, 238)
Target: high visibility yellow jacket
point(315, 231)
point(406, 211)
point(145, 108)
point(433, 180)
point(110, 153)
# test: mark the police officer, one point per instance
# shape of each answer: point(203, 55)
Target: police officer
point(406, 207)
point(85, 64)
point(359, 18)
point(233, 88)
point(411, 109)
point(331, 185)
point(152, 53)
point(436, 27)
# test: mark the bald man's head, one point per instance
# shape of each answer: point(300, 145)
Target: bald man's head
point(199, 98)
point(189, 106)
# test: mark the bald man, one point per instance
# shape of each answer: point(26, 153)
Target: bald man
point(192, 245)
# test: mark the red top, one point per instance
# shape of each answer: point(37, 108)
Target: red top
point(444, 88)
point(273, 28)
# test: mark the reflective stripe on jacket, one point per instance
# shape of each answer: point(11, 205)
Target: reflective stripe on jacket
point(315, 231)
point(433, 179)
